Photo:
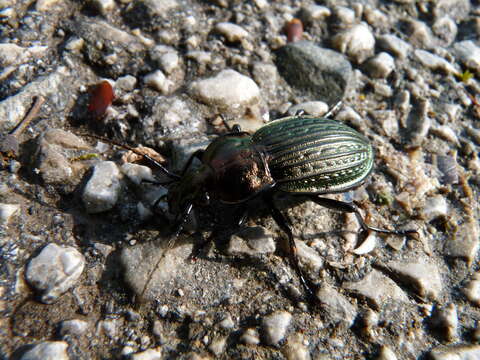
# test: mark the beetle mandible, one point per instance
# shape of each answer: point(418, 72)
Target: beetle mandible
point(299, 155)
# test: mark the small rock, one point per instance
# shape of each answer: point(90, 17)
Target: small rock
point(419, 34)
point(109, 327)
point(386, 353)
point(380, 66)
point(419, 124)
point(424, 277)
point(456, 352)
point(336, 307)
point(377, 288)
point(435, 207)
point(446, 29)
point(356, 42)
point(322, 73)
point(137, 173)
point(311, 13)
point(252, 241)
point(468, 53)
point(344, 16)
point(250, 337)
point(446, 320)
point(369, 319)
point(434, 62)
point(228, 89)
point(7, 211)
point(447, 165)
point(11, 54)
point(48, 350)
point(227, 323)
point(308, 257)
point(103, 188)
point(232, 32)
point(314, 108)
point(295, 349)
point(388, 121)
point(103, 6)
point(458, 10)
point(157, 80)
point(217, 346)
point(73, 327)
point(445, 132)
point(472, 290)
point(65, 139)
point(394, 45)
point(53, 166)
point(376, 18)
point(54, 271)
point(149, 354)
point(275, 327)
point(126, 83)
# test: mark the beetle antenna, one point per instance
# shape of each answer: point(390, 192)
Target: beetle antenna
point(145, 156)
point(334, 110)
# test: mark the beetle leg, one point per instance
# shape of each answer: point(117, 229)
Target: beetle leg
point(350, 207)
point(333, 110)
point(282, 221)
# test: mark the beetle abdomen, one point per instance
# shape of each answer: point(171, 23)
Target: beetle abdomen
point(311, 154)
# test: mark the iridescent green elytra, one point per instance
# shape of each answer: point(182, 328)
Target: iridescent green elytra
point(312, 154)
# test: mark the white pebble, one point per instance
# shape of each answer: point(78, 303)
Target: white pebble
point(275, 326)
point(394, 45)
point(232, 32)
point(54, 271)
point(468, 53)
point(357, 42)
point(157, 80)
point(435, 206)
point(48, 350)
point(315, 108)
point(380, 66)
point(103, 188)
point(434, 62)
point(7, 211)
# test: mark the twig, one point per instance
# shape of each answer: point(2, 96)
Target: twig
point(39, 100)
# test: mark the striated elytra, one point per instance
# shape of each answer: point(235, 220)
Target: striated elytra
point(300, 155)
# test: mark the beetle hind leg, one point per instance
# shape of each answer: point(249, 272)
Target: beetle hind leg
point(350, 207)
point(282, 222)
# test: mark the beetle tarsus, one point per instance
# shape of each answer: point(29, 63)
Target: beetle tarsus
point(334, 110)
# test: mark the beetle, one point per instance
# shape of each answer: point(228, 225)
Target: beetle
point(298, 155)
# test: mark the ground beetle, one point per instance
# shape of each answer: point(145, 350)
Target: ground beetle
point(300, 155)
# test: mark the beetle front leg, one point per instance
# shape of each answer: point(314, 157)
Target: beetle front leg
point(350, 207)
point(282, 221)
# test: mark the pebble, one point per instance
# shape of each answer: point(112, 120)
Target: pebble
point(218, 345)
point(446, 133)
point(424, 277)
point(48, 350)
point(7, 211)
point(149, 354)
point(446, 29)
point(227, 323)
point(367, 246)
point(314, 108)
point(252, 241)
point(232, 32)
point(309, 257)
point(377, 289)
point(456, 352)
point(103, 188)
point(376, 18)
point(137, 173)
point(380, 66)
point(343, 15)
point(295, 348)
point(419, 34)
point(385, 353)
point(323, 73)
point(435, 207)
point(157, 80)
point(103, 6)
point(394, 45)
point(472, 290)
point(315, 12)
point(336, 307)
point(228, 89)
point(468, 53)
point(65, 139)
point(434, 62)
point(458, 10)
point(275, 326)
point(51, 164)
point(54, 271)
point(250, 337)
point(357, 42)
point(166, 57)
point(73, 327)
point(126, 83)
point(446, 320)
point(12, 54)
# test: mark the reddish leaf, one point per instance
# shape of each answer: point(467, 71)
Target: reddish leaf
point(101, 98)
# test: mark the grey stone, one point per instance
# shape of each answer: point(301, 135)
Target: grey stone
point(446, 320)
point(357, 42)
point(65, 139)
point(445, 29)
point(472, 290)
point(464, 244)
point(218, 345)
point(48, 350)
point(419, 34)
point(434, 62)
point(314, 108)
point(377, 289)
point(54, 271)
point(308, 257)
point(252, 241)
point(435, 206)
point(75, 327)
point(232, 32)
point(157, 80)
point(250, 337)
point(336, 307)
point(423, 276)
point(323, 73)
point(458, 10)
point(394, 45)
point(275, 326)
point(468, 53)
point(11, 54)
point(456, 352)
point(51, 164)
point(380, 66)
point(103, 188)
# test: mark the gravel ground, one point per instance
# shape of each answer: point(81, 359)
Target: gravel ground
point(86, 270)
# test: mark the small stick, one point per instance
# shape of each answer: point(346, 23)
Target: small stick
point(39, 100)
